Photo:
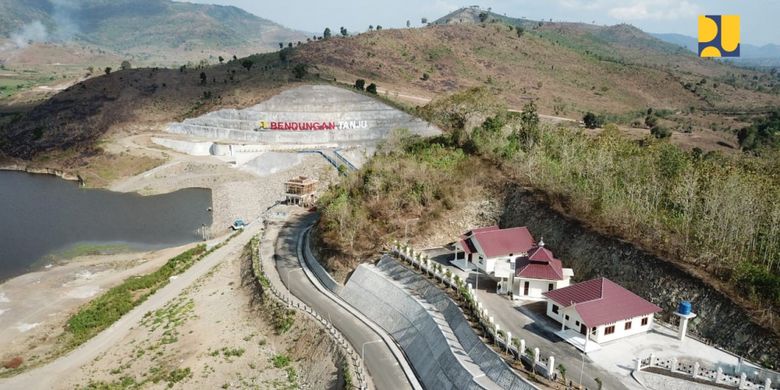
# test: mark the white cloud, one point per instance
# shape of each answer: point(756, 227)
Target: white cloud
point(626, 10)
point(655, 10)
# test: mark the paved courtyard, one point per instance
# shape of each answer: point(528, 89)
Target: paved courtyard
point(612, 362)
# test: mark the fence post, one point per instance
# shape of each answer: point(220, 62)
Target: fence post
point(550, 368)
point(652, 359)
point(718, 375)
point(742, 379)
point(696, 367)
point(508, 340)
point(536, 357)
point(521, 352)
point(673, 365)
point(638, 364)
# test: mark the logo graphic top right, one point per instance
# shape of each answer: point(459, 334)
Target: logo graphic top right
point(719, 36)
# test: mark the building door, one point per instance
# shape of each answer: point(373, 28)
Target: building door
point(583, 329)
point(526, 286)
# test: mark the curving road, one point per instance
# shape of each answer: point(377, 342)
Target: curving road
point(382, 366)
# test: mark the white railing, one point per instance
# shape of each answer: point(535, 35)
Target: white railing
point(344, 347)
point(695, 371)
point(516, 347)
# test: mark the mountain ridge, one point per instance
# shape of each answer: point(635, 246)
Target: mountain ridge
point(146, 29)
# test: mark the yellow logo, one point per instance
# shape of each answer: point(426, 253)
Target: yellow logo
point(719, 36)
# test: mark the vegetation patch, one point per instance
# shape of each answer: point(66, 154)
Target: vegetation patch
point(109, 307)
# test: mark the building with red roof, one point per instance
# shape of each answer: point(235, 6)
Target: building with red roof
point(601, 310)
point(513, 258)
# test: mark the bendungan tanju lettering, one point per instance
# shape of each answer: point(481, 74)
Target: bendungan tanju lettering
point(304, 126)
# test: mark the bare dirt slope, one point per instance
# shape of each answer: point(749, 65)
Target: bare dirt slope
point(213, 336)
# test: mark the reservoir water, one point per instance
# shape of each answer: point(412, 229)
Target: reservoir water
point(42, 214)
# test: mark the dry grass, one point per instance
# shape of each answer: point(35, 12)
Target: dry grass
point(547, 65)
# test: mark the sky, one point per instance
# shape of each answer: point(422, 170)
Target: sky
point(758, 24)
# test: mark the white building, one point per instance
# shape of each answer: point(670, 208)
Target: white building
point(600, 310)
point(514, 259)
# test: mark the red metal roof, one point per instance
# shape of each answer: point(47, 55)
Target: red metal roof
point(540, 264)
point(501, 242)
point(602, 301)
point(467, 246)
point(477, 230)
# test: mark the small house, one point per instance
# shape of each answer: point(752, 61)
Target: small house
point(601, 310)
point(513, 258)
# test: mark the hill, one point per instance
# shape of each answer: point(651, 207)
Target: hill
point(750, 55)
point(145, 30)
point(566, 68)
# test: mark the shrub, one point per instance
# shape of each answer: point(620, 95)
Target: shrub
point(371, 88)
point(360, 84)
point(280, 360)
point(300, 71)
point(592, 120)
point(660, 132)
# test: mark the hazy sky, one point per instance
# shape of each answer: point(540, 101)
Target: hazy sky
point(759, 17)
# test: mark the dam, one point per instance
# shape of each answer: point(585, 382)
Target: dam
point(310, 116)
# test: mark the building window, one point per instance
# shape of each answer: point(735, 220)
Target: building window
point(609, 330)
point(628, 325)
point(644, 321)
point(555, 309)
point(567, 317)
point(576, 323)
point(550, 287)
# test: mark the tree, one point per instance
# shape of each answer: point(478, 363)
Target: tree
point(221, 59)
point(281, 45)
point(125, 65)
point(370, 27)
point(360, 84)
point(483, 16)
point(592, 120)
point(651, 121)
point(247, 64)
point(300, 71)
point(660, 132)
point(203, 77)
point(326, 34)
point(425, 77)
point(107, 70)
point(344, 32)
point(371, 88)
point(562, 370)
point(408, 23)
point(424, 20)
point(378, 27)
point(290, 45)
point(520, 31)
point(235, 58)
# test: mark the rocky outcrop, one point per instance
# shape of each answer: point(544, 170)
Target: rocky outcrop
point(720, 320)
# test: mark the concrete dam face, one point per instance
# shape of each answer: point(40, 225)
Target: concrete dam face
point(311, 114)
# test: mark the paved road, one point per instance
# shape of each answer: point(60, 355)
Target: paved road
point(534, 331)
point(47, 376)
point(382, 366)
